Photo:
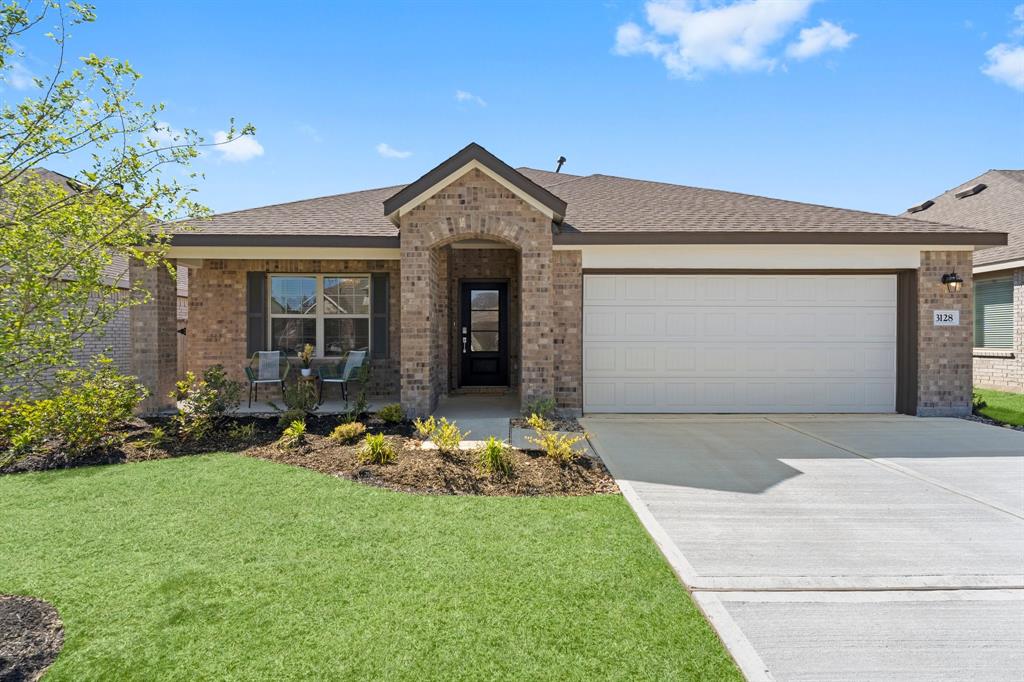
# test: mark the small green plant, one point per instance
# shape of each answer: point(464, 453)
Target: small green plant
point(306, 356)
point(377, 449)
point(293, 436)
point(157, 437)
point(545, 407)
point(392, 414)
point(447, 437)
point(977, 402)
point(299, 401)
point(494, 459)
point(425, 428)
point(288, 416)
point(560, 447)
point(242, 432)
point(362, 401)
point(348, 433)
point(204, 401)
point(538, 423)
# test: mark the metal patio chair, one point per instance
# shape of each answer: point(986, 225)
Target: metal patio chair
point(337, 374)
point(266, 367)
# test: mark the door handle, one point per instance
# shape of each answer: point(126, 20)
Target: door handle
point(463, 345)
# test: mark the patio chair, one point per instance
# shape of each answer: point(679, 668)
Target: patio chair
point(336, 374)
point(266, 367)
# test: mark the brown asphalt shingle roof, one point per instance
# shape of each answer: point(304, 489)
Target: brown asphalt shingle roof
point(999, 207)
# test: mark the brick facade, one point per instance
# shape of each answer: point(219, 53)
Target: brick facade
point(945, 363)
point(567, 304)
point(994, 369)
point(154, 343)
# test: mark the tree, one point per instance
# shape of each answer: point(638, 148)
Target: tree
point(60, 239)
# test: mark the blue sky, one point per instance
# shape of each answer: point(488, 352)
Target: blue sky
point(881, 106)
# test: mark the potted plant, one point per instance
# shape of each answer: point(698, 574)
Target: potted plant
point(306, 358)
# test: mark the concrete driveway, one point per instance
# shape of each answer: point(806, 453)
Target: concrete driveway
point(838, 547)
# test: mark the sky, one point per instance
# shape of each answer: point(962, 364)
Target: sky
point(868, 105)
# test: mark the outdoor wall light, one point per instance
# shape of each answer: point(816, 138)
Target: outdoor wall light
point(953, 282)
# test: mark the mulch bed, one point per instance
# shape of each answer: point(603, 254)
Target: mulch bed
point(31, 636)
point(991, 422)
point(416, 470)
point(568, 424)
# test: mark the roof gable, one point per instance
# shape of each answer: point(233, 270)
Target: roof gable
point(469, 157)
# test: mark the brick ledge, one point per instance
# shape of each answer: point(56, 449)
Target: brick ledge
point(994, 353)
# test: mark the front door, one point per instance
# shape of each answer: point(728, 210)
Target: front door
point(484, 334)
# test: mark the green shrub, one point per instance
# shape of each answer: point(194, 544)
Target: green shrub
point(242, 432)
point(544, 407)
point(392, 414)
point(377, 449)
point(558, 446)
point(203, 402)
point(425, 428)
point(977, 402)
point(494, 458)
point(288, 416)
point(299, 401)
point(538, 423)
point(447, 437)
point(348, 433)
point(293, 436)
point(157, 437)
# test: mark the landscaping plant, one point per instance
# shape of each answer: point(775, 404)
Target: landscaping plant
point(299, 402)
point(560, 447)
point(242, 433)
point(377, 449)
point(293, 436)
point(306, 356)
point(447, 437)
point(348, 433)
point(392, 414)
point(494, 458)
point(425, 427)
point(544, 407)
point(204, 402)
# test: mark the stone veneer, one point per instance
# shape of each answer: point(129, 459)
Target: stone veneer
point(944, 362)
point(154, 342)
point(472, 207)
point(992, 367)
point(567, 303)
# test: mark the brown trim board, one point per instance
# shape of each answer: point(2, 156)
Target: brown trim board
point(568, 238)
point(350, 241)
point(736, 271)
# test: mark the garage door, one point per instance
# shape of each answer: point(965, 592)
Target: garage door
point(739, 343)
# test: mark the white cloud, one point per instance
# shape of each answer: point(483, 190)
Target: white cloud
point(690, 41)
point(463, 96)
point(242, 148)
point(1006, 65)
point(20, 77)
point(389, 152)
point(823, 37)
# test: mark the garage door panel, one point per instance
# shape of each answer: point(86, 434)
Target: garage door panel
point(739, 343)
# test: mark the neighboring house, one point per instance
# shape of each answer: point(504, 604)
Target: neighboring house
point(992, 201)
point(605, 293)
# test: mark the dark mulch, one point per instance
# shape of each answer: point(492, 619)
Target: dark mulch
point(974, 417)
point(31, 636)
point(566, 424)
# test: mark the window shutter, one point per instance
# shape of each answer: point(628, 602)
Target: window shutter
point(256, 312)
point(380, 298)
point(993, 313)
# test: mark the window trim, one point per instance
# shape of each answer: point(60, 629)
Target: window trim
point(980, 319)
point(320, 315)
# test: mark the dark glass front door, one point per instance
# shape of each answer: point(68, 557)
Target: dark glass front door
point(484, 334)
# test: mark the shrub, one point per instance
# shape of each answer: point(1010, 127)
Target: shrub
point(559, 447)
point(544, 407)
point(447, 437)
point(203, 402)
point(493, 458)
point(299, 396)
point(348, 433)
point(538, 423)
point(392, 414)
point(425, 428)
point(377, 449)
point(157, 437)
point(293, 436)
point(977, 402)
point(288, 416)
point(242, 432)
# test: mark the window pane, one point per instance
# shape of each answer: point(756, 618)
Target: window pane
point(293, 295)
point(343, 335)
point(347, 295)
point(484, 341)
point(484, 320)
point(291, 334)
point(993, 313)
point(484, 299)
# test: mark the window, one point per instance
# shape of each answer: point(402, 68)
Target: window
point(993, 313)
point(331, 312)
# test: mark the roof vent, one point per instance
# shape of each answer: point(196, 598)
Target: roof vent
point(561, 160)
point(921, 207)
point(971, 191)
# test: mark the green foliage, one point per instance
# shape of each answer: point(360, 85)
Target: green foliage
point(157, 437)
point(978, 402)
point(392, 414)
point(377, 449)
point(203, 402)
point(299, 402)
point(289, 416)
point(348, 433)
point(557, 446)
point(544, 407)
point(362, 401)
point(63, 240)
point(494, 458)
point(447, 437)
point(306, 355)
point(89, 405)
point(425, 428)
point(294, 435)
point(242, 433)
point(538, 423)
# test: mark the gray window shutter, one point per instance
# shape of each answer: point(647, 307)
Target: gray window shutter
point(256, 318)
point(379, 314)
point(993, 313)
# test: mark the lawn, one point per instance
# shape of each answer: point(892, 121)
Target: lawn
point(1007, 408)
point(223, 566)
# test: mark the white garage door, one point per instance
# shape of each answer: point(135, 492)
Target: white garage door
point(739, 343)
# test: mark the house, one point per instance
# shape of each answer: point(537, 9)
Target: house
point(993, 201)
point(607, 294)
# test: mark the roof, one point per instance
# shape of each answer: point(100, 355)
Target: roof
point(999, 206)
point(598, 209)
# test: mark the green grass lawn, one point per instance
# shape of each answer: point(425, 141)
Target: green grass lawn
point(1007, 408)
point(223, 566)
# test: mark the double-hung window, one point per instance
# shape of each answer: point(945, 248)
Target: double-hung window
point(993, 313)
point(331, 312)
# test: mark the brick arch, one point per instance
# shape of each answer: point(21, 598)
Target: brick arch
point(485, 236)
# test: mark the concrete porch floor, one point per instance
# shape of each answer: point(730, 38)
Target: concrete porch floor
point(480, 414)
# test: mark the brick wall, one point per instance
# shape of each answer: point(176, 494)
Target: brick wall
point(1005, 373)
point(945, 363)
point(217, 313)
point(154, 343)
point(567, 304)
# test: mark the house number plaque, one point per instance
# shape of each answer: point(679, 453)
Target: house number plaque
point(946, 318)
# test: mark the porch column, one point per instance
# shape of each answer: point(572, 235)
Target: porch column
point(417, 292)
point(537, 344)
point(154, 342)
point(945, 353)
